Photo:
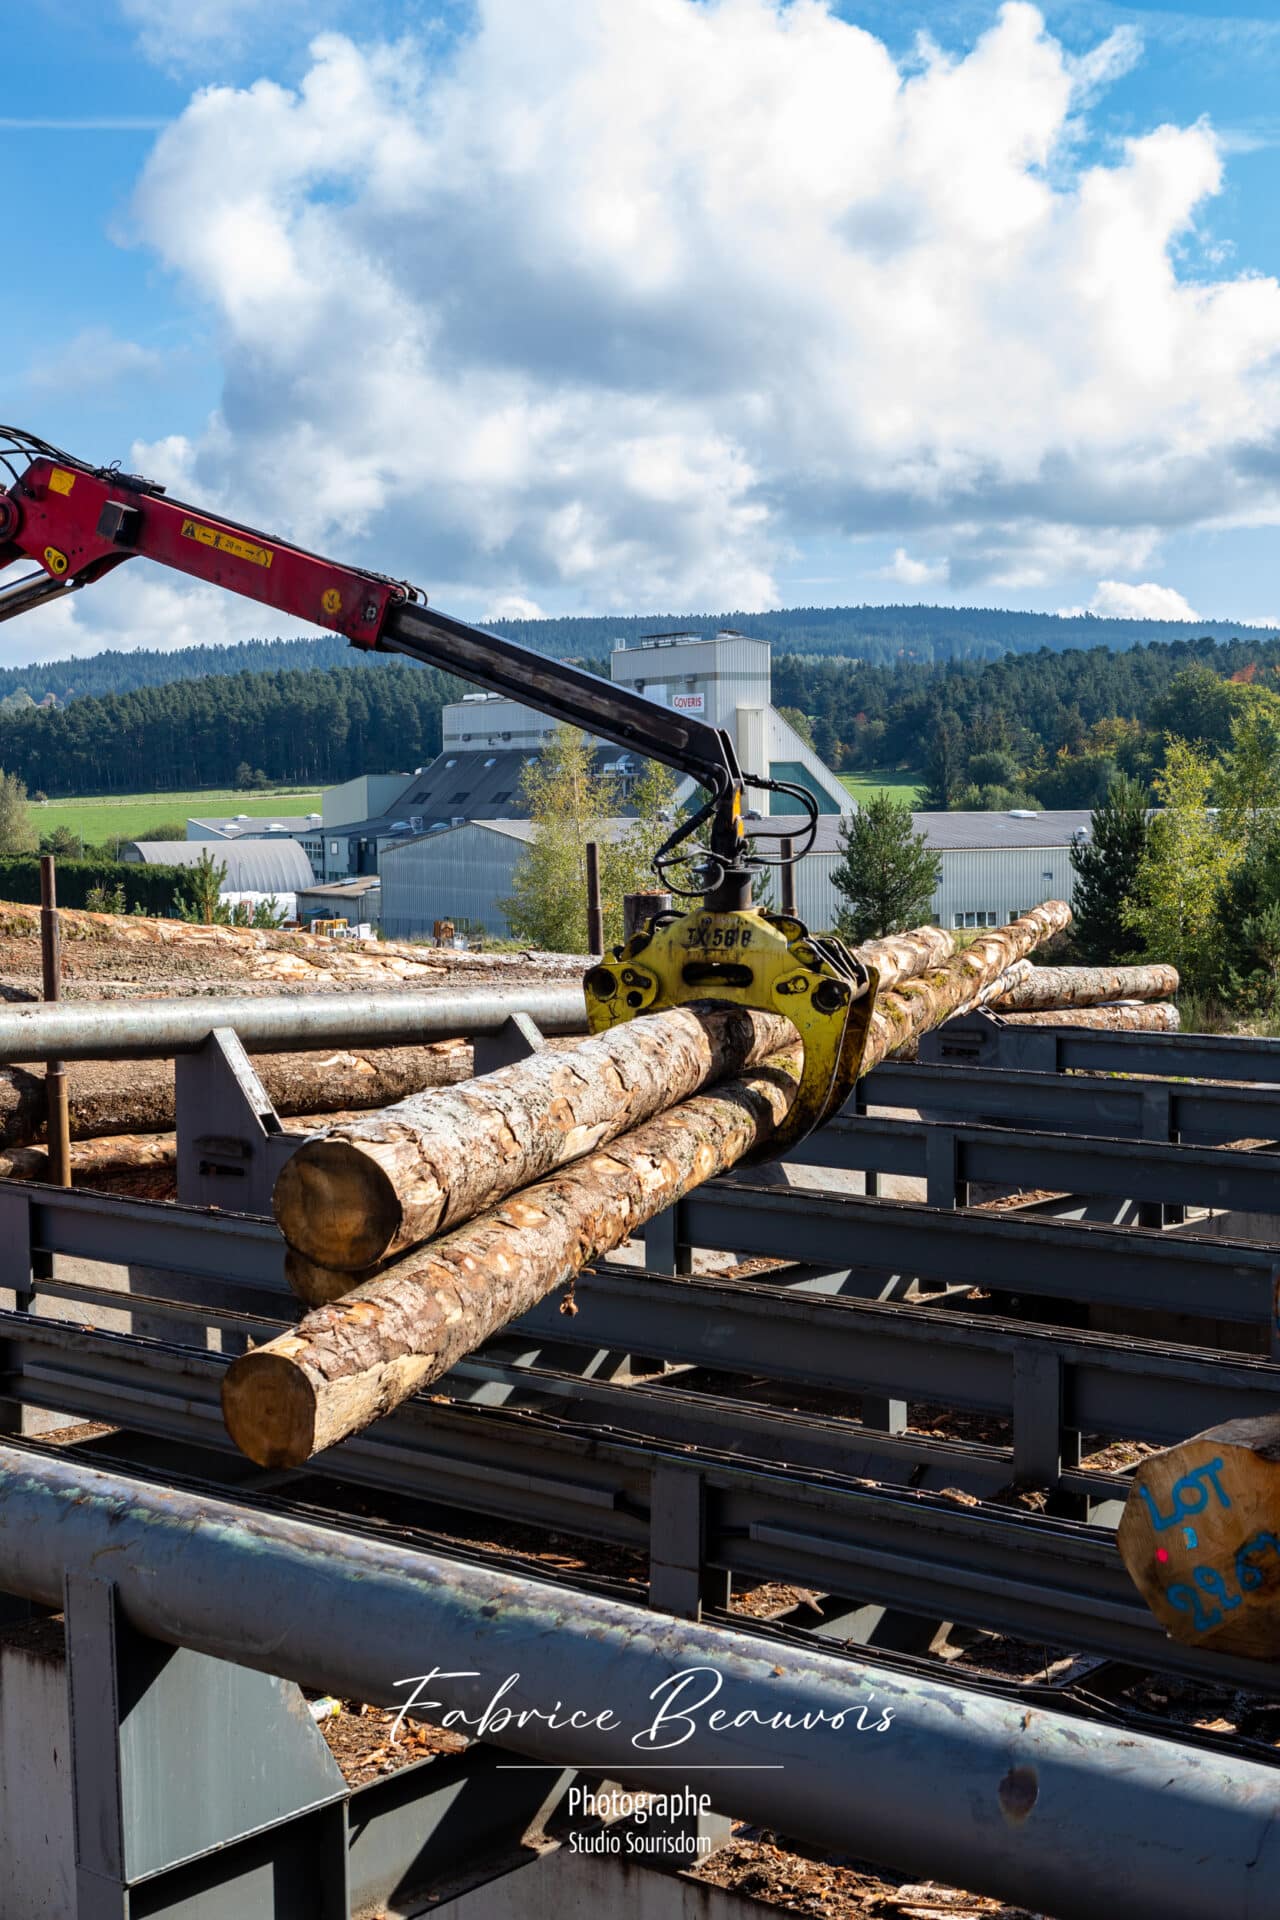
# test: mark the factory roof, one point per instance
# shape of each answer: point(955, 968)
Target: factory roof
point(253, 866)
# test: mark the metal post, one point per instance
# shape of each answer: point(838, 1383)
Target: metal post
point(638, 910)
point(829, 1749)
point(55, 1073)
point(595, 911)
point(787, 875)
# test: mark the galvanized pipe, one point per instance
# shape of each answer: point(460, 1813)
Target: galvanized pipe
point(1060, 1815)
point(161, 1029)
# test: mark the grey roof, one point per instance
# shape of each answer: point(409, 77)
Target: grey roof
point(507, 829)
point(351, 889)
point(257, 826)
point(474, 783)
point(277, 865)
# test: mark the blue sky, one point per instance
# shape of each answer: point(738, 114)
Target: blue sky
point(434, 290)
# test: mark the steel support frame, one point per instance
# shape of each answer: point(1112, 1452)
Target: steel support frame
point(203, 1788)
point(698, 1518)
point(982, 1039)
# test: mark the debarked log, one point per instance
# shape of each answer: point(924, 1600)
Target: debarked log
point(1200, 1537)
point(349, 1363)
point(137, 1096)
point(1138, 1016)
point(1043, 987)
point(387, 1182)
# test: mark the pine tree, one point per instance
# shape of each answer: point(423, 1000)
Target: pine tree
point(886, 872)
point(1106, 867)
point(16, 832)
point(200, 895)
point(944, 762)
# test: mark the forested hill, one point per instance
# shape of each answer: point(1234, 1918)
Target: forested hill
point(1054, 725)
point(878, 636)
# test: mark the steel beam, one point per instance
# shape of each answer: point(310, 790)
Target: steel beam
point(1143, 1170)
point(1020, 1805)
point(1058, 1582)
point(1124, 1267)
point(981, 1039)
point(1195, 1115)
point(162, 1029)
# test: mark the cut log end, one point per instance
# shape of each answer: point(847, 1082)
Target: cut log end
point(269, 1408)
point(336, 1205)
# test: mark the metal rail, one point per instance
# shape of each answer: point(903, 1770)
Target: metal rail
point(157, 1029)
point(950, 1156)
point(1120, 1109)
point(1019, 1805)
point(982, 1039)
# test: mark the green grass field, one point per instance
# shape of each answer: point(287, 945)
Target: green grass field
point(898, 785)
point(128, 814)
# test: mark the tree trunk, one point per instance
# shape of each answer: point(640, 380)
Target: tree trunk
point(899, 956)
point(1042, 987)
point(117, 1157)
point(917, 1005)
point(349, 1363)
point(1200, 1536)
point(1011, 977)
point(1137, 1017)
point(388, 1182)
point(136, 1096)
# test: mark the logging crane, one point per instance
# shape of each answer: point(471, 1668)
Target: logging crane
point(78, 522)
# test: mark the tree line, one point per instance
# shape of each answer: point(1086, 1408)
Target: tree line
point(888, 638)
point(302, 728)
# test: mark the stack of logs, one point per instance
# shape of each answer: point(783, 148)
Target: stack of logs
point(417, 1233)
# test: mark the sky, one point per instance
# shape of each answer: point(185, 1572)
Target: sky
point(581, 306)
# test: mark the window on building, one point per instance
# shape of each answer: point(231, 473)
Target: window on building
point(499, 798)
point(460, 795)
point(333, 846)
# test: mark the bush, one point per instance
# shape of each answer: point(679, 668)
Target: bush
point(146, 889)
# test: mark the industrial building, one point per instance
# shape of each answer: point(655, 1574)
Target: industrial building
point(991, 868)
point(274, 867)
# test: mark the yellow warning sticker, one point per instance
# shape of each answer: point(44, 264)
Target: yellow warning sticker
point(226, 543)
point(331, 600)
point(60, 481)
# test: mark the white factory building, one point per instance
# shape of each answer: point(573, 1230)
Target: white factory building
point(991, 868)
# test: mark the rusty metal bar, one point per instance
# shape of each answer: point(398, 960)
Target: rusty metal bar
point(595, 909)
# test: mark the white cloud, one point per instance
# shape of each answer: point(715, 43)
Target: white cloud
point(184, 34)
point(514, 606)
point(616, 303)
point(1126, 600)
point(95, 357)
point(912, 573)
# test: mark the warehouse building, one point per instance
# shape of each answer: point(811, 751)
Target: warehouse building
point(274, 868)
point(991, 868)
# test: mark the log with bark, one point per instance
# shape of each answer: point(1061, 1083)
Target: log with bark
point(388, 1182)
point(899, 956)
point(1138, 1017)
point(1043, 987)
point(136, 1096)
point(357, 1358)
point(1200, 1537)
point(349, 1363)
point(917, 1005)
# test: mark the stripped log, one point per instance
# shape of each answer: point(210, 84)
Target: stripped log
point(1200, 1536)
point(915, 1006)
point(1042, 987)
point(390, 1181)
point(1136, 1017)
point(136, 1096)
point(900, 956)
point(349, 1363)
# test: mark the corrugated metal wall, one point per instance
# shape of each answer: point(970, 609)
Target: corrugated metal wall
point(462, 874)
point(458, 875)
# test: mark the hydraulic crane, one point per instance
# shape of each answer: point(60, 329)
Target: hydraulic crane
point(79, 522)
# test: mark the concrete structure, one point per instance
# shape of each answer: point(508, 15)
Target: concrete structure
point(991, 867)
point(276, 865)
point(248, 826)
